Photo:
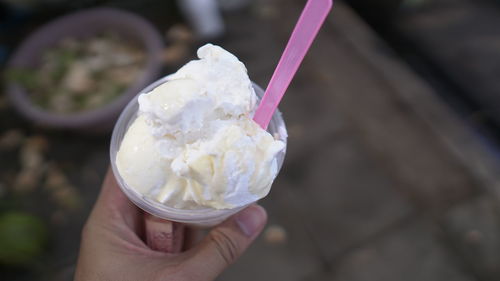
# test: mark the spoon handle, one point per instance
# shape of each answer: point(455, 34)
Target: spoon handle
point(305, 31)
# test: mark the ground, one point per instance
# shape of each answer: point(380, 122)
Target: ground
point(382, 181)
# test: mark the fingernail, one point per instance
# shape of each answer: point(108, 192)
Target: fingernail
point(251, 220)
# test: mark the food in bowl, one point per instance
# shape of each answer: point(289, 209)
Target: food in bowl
point(80, 74)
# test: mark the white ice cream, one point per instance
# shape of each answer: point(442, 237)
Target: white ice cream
point(194, 144)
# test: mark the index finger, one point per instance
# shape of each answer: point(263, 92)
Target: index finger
point(113, 205)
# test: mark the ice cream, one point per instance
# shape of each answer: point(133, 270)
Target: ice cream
point(194, 144)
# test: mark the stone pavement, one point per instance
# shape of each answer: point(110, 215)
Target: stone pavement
point(378, 182)
point(381, 180)
point(461, 40)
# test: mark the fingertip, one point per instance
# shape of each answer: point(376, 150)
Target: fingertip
point(112, 204)
point(163, 235)
point(251, 220)
point(111, 191)
point(228, 241)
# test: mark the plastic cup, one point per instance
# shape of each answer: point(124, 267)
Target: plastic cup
point(204, 217)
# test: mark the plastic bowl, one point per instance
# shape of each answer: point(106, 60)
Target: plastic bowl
point(200, 217)
point(82, 25)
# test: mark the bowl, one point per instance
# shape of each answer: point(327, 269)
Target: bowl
point(80, 25)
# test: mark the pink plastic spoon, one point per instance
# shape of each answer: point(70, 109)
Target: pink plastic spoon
point(310, 21)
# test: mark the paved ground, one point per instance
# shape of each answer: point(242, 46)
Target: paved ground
point(370, 190)
point(460, 39)
point(381, 180)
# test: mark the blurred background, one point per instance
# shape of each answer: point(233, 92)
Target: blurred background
point(392, 165)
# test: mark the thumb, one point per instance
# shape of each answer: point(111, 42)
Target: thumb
point(226, 242)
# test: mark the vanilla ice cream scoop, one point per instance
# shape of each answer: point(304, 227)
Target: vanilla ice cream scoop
point(194, 144)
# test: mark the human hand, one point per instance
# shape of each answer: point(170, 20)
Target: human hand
point(112, 246)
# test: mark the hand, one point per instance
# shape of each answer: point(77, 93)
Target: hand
point(112, 246)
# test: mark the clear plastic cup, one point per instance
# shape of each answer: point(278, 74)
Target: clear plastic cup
point(199, 217)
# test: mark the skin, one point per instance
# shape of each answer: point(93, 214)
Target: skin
point(113, 247)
